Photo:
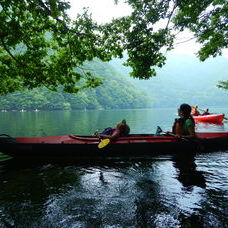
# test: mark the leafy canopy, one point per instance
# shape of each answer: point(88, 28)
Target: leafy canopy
point(41, 46)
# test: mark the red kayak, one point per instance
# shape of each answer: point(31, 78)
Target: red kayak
point(211, 118)
point(133, 146)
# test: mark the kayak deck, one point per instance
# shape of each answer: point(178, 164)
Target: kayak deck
point(147, 138)
point(91, 139)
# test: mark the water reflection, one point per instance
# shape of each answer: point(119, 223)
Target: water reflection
point(149, 205)
point(193, 220)
point(187, 171)
point(25, 188)
point(113, 194)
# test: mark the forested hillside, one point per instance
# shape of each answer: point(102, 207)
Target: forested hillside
point(116, 92)
point(184, 79)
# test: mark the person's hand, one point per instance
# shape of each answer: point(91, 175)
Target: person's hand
point(100, 136)
point(96, 133)
point(178, 136)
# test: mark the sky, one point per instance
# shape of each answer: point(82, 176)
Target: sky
point(102, 10)
point(105, 10)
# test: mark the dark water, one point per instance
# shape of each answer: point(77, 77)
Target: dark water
point(164, 191)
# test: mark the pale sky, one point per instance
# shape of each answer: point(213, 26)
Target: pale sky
point(102, 10)
point(105, 10)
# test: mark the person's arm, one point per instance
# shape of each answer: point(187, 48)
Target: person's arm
point(177, 128)
point(115, 134)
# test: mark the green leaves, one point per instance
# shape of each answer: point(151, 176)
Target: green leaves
point(207, 20)
point(41, 46)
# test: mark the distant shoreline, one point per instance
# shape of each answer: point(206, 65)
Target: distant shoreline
point(105, 109)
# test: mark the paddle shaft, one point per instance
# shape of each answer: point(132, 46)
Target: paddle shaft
point(176, 136)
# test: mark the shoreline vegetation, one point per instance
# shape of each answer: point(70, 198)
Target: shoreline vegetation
point(97, 109)
point(85, 109)
point(75, 102)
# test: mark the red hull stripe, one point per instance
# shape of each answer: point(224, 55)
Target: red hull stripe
point(133, 138)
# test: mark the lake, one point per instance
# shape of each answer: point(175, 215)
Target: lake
point(160, 192)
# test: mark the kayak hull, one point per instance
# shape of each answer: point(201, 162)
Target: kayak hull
point(134, 146)
point(211, 118)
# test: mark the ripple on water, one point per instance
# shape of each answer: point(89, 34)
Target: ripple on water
point(215, 168)
point(122, 194)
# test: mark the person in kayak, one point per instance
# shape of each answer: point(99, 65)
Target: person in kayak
point(206, 112)
point(195, 111)
point(121, 130)
point(185, 125)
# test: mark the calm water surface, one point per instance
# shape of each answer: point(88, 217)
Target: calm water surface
point(164, 191)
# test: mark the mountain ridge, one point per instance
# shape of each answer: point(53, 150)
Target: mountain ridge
point(184, 79)
point(115, 93)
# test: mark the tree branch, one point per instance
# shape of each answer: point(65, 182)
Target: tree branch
point(185, 41)
point(7, 50)
point(48, 11)
point(170, 16)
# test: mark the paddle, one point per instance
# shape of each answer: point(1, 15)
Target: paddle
point(159, 131)
point(198, 108)
point(103, 143)
point(199, 146)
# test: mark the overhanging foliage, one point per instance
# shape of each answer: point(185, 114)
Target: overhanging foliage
point(41, 46)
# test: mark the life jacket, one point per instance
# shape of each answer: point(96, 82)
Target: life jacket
point(195, 112)
point(182, 123)
point(108, 131)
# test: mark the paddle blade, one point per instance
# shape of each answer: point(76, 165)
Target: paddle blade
point(103, 143)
